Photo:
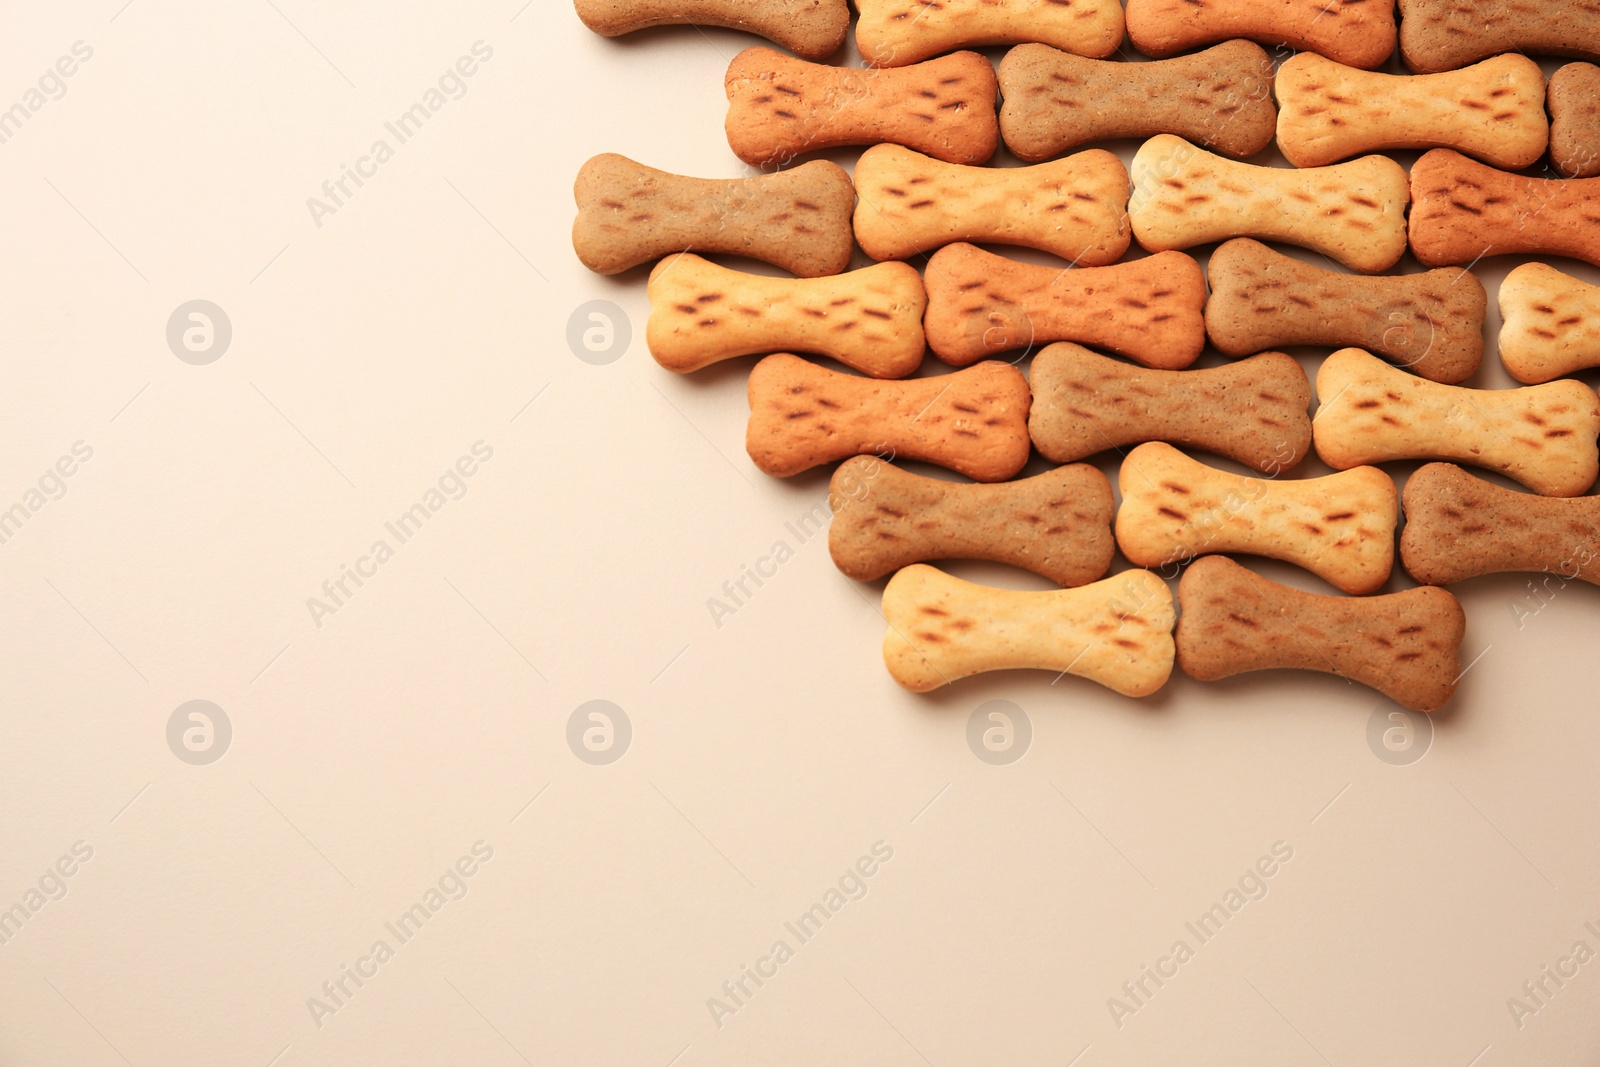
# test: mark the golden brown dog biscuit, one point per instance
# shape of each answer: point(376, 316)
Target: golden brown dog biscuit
point(1339, 527)
point(1574, 104)
point(892, 33)
point(1253, 411)
point(1459, 526)
point(974, 421)
point(630, 214)
point(780, 107)
point(1220, 99)
point(1075, 207)
point(868, 319)
point(1549, 324)
point(1358, 33)
point(1146, 309)
point(1406, 645)
point(814, 29)
point(1431, 324)
point(1117, 632)
point(1462, 210)
point(1185, 196)
point(1492, 110)
point(1438, 35)
point(1057, 524)
point(1542, 436)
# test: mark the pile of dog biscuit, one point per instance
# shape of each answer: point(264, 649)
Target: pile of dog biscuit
point(933, 115)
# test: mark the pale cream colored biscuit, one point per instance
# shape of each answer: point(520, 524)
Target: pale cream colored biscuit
point(1431, 323)
point(1358, 33)
point(1149, 309)
point(1339, 527)
point(814, 29)
point(1185, 196)
point(1075, 207)
point(1253, 411)
point(1220, 98)
point(630, 214)
point(1492, 110)
point(974, 421)
point(1542, 436)
point(1462, 211)
point(870, 319)
point(892, 33)
point(1057, 524)
point(1406, 645)
point(1117, 632)
point(1459, 526)
point(780, 107)
point(1549, 324)
point(1440, 35)
point(1573, 101)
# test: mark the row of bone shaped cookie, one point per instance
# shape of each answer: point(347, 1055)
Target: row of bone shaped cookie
point(1434, 35)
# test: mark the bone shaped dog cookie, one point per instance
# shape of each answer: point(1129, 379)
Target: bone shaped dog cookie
point(1117, 632)
point(1405, 645)
point(1185, 196)
point(1220, 98)
point(1542, 436)
point(780, 107)
point(1057, 524)
point(1549, 323)
point(974, 421)
point(1253, 411)
point(1462, 210)
point(1357, 33)
point(630, 214)
point(1076, 207)
point(1146, 309)
point(701, 313)
point(1459, 526)
point(1492, 110)
point(892, 33)
point(1339, 527)
point(811, 28)
point(1438, 35)
point(1431, 324)
point(1573, 101)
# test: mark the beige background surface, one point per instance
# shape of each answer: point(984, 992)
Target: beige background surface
point(767, 755)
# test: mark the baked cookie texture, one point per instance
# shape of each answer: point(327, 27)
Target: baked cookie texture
point(812, 29)
point(1462, 210)
point(892, 33)
point(1439, 35)
point(1357, 33)
point(1573, 100)
point(1549, 324)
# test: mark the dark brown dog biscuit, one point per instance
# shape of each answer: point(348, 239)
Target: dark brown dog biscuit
point(1405, 645)
point(630, 214)
point(780, 107)
point(1462, 210)
point(1438, 35)
point(1459, 526)
point(1357, 33)
point(1431, 324)
point(1057, 524)
point(1220, 99)
point(1573, 100)
point(1253, 411)
point(814, 29)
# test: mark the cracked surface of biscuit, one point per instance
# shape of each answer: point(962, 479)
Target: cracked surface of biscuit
point(1076, 208)
point(1057, 524)
point(1493, 111)
point(1117, 632)
point(1339, 527)
point(1573, 101)
point(1253, 411)
point(1357, 33)
point(1405, 645)
point(814, 29)
point(1459, 526)
point(1439, 35)
point(1429, 323)
point(1147, 309)
point(1549, 324)
point(1462, 210)
point(780, 107)
point(1542, 436)
point(974, 421)
point(892, 33)
point(1220, 99)
point(869, 319)
point(630, 214)
point(1185, 196)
